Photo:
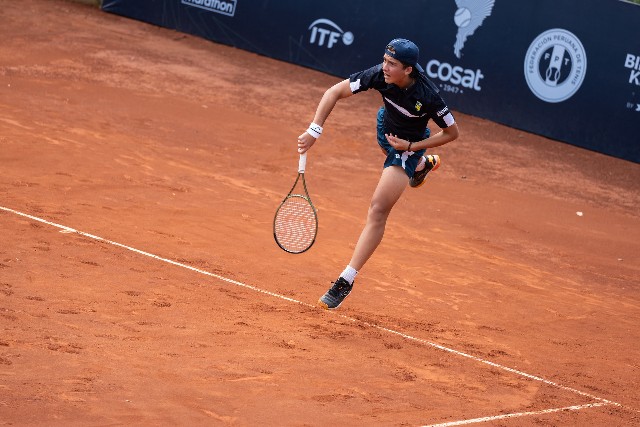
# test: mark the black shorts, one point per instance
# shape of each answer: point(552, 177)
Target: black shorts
point(407, 160)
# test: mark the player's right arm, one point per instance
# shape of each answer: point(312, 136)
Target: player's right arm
point(329, 100)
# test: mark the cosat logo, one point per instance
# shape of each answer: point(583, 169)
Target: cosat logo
point(555, 65)
point(455, 75)
point(224, 7)
point(326, 31)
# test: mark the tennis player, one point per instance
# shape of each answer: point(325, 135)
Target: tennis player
point(410, 100)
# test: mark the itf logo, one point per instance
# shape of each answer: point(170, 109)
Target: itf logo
point(326, 33)
point(555, 65)
point(469, 17)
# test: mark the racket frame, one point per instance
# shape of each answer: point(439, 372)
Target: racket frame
point(301, 168)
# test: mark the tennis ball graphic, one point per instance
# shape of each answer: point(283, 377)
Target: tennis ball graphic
point(347, 38)
point(462, 17)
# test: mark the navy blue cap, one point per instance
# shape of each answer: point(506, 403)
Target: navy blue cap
point(405, 51)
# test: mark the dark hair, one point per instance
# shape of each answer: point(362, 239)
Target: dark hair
point(414, 71)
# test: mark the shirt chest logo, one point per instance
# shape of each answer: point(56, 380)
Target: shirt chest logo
point(418, 105)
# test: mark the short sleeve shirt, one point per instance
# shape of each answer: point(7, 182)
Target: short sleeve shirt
point(407, 111)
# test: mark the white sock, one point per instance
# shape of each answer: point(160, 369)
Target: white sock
point(349, 274)
point(422, 164)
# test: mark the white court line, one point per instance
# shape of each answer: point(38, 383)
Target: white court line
point(515, 415)
point(65, 229)
point(69, 230)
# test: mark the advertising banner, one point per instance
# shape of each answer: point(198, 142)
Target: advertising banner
point(566, 70)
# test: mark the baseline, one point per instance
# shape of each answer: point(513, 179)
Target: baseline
point(516, 415)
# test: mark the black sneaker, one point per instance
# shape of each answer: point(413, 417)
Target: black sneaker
point(334, 296)
point(433, 162)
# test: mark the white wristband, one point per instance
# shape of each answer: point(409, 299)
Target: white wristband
point(315, 130)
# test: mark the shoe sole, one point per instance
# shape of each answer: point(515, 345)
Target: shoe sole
point(323, 305)
point(326, 307)
point(432, 169)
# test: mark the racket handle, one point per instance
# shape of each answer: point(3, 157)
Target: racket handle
point(302, 163)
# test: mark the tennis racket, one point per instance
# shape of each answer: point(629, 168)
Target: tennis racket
point(296, 222)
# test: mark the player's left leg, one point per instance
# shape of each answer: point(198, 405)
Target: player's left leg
point(427, 164)
point(431, 162)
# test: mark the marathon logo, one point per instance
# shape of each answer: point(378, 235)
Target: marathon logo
point(224, 7)
point(633, 62)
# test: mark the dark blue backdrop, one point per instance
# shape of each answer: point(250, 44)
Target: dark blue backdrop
point(568, 70)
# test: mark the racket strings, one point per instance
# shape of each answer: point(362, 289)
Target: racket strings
point(295, 224)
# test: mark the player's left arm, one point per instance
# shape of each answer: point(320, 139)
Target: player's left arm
point(446, 135)
point(441, 115)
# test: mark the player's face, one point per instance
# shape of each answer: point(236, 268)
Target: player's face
point(394, 71)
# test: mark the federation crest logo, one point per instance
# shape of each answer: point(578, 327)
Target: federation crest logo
point(555, 65)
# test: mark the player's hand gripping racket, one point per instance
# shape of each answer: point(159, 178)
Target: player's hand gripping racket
point(296, 222)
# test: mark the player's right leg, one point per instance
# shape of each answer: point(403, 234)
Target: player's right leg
point(392, 184)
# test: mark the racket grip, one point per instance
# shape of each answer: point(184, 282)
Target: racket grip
point(302, 163)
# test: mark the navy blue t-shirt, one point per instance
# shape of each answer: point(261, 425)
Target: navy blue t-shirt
point(407, 111)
